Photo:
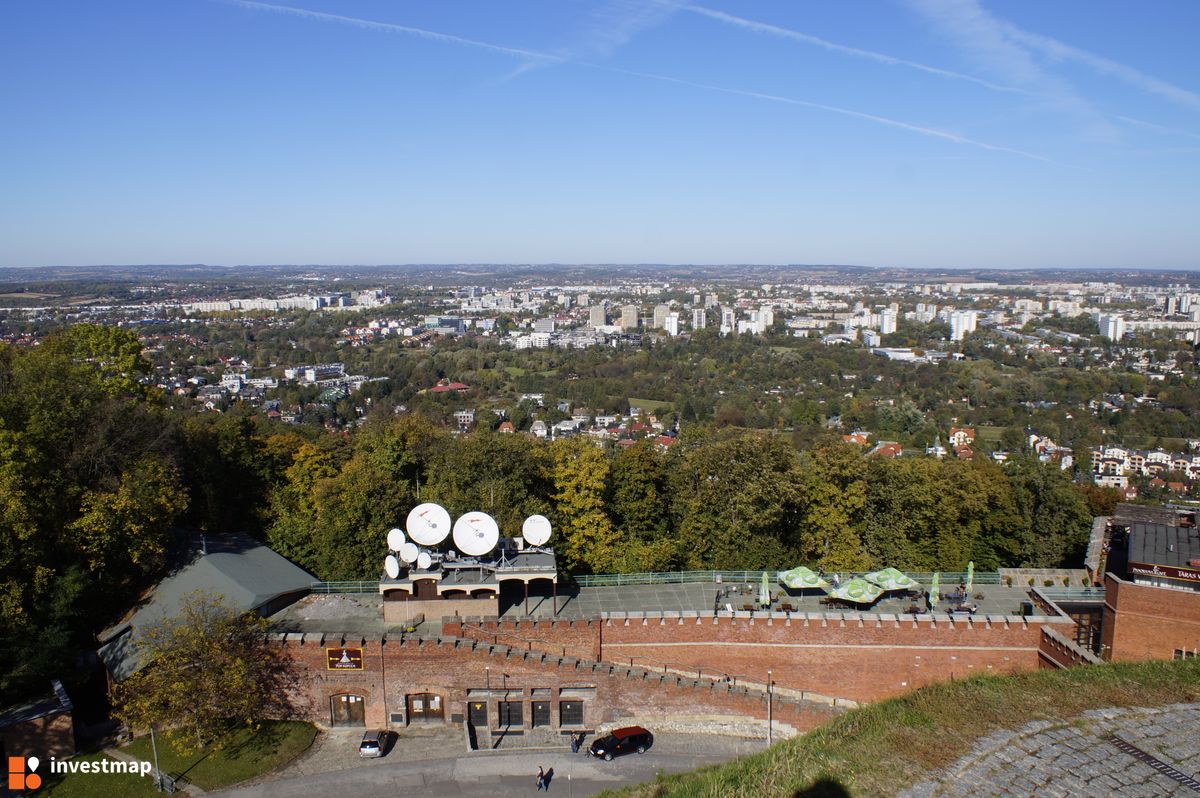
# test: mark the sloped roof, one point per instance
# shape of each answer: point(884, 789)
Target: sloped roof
point(244, 572)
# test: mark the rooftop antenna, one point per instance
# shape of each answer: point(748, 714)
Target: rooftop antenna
point(391, 566)
point(424, 561)
point(409, 553)
point(428, 524)
point(395, 539)
point(536, 530)
point(475, 534)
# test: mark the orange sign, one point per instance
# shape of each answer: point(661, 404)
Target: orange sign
point(343, 659)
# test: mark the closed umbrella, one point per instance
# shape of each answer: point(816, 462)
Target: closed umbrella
point(970, 578)
point(934, 595)
point(764, 592)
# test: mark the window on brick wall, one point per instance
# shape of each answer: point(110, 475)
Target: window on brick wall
point(570, 713)
point(1183, 653)
point(510, 713)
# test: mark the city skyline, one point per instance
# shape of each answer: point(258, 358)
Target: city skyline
point(930, 133)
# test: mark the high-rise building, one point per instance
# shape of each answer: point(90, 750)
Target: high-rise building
point(962, 322)
point(764, 319)
point(544, 326)
point(660, 316)
point(728, 320)
point(710, 301)
point(887, 321)
point(1112, 326)
point(629, 317)
point(699, 319)
point(671, 324)
point(597, 316)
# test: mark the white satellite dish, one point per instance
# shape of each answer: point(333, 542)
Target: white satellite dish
point(424, 561)
point(395, 539)
point(428, 524)
point(391, 566)
point(536, 530)
point(476, 534)
point(408, 552)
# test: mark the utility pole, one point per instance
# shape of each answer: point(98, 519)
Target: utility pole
point(157, 772)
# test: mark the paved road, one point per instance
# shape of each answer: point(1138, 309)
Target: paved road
point(1142, 753)
point(493, 773)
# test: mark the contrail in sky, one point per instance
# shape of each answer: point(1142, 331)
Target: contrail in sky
point(388, 27)
point(871, 55)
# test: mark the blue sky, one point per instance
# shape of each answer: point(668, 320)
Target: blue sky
point(942, 133)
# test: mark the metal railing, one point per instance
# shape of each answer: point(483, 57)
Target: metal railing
point(361, 586)
point(947, 579)
point(1072, 593)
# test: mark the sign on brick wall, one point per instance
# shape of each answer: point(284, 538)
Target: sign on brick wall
point(344, 659)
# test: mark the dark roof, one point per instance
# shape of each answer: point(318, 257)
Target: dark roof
point(55, 704)
point(1126, 514)
point(247, 574)
point(1158, 544)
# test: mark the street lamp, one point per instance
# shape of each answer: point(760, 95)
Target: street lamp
point(770, 724)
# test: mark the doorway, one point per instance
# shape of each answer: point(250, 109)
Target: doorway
point(477, 714)
point(425, 708)
point(347, 710)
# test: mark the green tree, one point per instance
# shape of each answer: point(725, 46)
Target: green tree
point(834, 490)
point(208, 671)
point(586, 538)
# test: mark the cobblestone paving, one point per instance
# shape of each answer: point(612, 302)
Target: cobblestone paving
point(1076, 758)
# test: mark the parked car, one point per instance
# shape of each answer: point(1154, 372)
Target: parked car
point(376, 742)
point(621, 741)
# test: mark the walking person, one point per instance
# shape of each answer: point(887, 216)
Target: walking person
point(541, 779)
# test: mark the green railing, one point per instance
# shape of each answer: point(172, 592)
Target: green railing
point(362, 586)
point(947, 579)
point(1072, 593)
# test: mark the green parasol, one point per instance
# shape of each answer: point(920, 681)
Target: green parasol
point(764, 592)
point(858, 590)
point(800, 578)
point(970, 578)
point(891, 579)
point(934, 595)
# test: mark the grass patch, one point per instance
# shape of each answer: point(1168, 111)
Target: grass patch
point(989, 434)
point(246, 754)
point(95, 785)
point(653, 405)
point(515, 371)
point(882, 748)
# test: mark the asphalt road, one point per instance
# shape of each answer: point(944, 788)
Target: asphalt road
point(501, 773)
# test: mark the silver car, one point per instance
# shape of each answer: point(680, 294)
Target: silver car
point(376, 743)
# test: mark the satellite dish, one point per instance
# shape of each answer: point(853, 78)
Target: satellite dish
point(391, 566)
point(395, 539)
point(476, 534)
point(424, 560)
point(428, 524)
point(536, 530)
point(408, 552)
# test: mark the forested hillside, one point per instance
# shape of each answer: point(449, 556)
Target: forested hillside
point(100, 484)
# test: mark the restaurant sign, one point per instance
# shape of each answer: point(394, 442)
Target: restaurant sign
point(1165, 571)
point(344, 659)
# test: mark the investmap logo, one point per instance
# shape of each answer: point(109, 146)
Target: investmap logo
point(22, 773)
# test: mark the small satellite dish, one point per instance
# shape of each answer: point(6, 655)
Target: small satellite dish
point(391, 566)
point(408, 552)
point(424, 561)
point(476, 534)
point(428, 524)
point(395, 539)
point(536, 530)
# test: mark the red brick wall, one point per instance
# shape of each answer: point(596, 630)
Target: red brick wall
point(834, 655)
point(395, 670)
point(1143, 622)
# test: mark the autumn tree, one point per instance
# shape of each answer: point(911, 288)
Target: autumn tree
point(586, 538)
point(207, 671)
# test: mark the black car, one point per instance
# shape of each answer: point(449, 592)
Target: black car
point(622, 741)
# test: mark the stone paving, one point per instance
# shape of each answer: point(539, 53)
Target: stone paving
point(1079, 758)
